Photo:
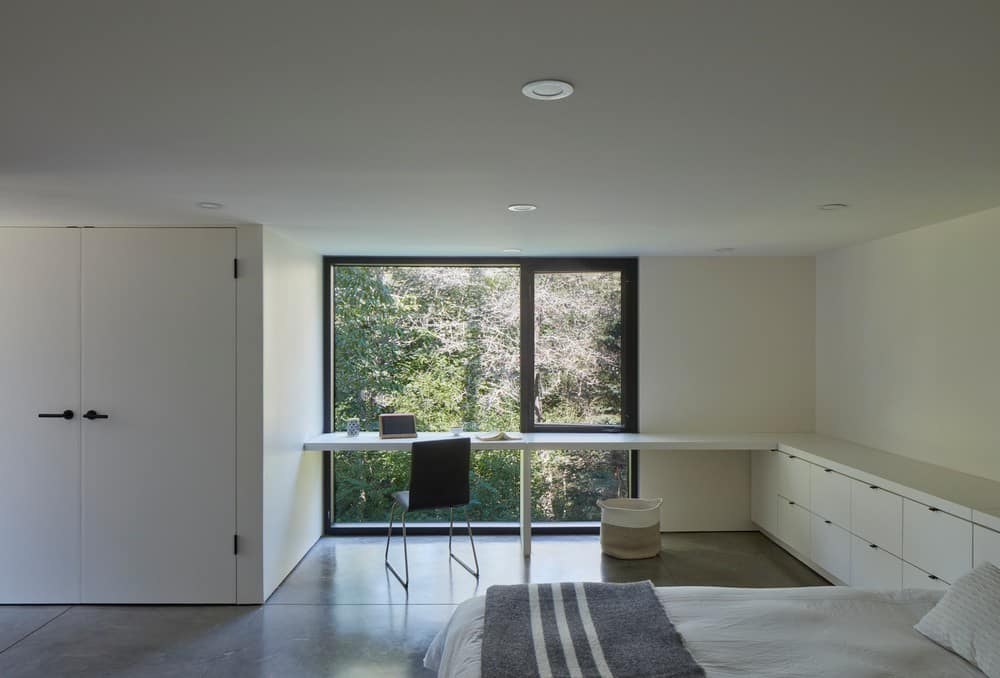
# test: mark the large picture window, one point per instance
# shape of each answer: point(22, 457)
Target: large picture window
point(487, 344)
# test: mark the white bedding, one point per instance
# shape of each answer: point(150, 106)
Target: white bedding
point(821, 632)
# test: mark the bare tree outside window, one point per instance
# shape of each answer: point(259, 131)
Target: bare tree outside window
point(578, 348)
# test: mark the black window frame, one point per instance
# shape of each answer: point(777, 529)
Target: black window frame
point(628, 267)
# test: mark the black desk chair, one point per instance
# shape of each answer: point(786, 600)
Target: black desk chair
point(439, 478)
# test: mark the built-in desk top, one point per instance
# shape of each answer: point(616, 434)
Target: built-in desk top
point(559, 441)
point(979, 496)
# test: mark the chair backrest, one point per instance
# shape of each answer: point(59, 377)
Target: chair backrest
point(439, 473)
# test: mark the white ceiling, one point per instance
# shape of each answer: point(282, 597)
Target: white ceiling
point(398, 127)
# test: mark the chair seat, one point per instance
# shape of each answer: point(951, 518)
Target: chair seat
point(403, 499)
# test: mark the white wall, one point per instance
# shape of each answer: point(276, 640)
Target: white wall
point(726, 344)
point(908, 350)
point(292, 407)
point(249, 414)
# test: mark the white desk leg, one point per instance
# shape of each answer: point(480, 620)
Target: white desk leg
point(526, 502)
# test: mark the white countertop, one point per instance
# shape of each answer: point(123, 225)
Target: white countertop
point(988, 517)
point(888, 469)
point(979, 496)
point(559, 441)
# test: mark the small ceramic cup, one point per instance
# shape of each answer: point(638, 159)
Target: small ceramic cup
point(353, 427)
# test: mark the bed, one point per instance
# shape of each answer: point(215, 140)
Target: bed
point(821, 632)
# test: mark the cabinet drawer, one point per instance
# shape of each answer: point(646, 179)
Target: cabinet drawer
point(986, 546)
point(830, 495)
point(793, 526)
point(874, 568)
point(831, 548)
point(793, 478)
point(877, 516)
point(935, 541)
point(915, 578)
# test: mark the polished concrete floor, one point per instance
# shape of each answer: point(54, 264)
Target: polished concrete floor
point(340, 614)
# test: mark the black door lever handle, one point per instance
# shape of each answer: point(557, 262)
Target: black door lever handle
point(65, 414)
point(92, 415)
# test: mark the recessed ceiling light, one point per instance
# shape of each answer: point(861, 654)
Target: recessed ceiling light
point(830, 206)
point(547, 90)
point(522, 208)
point(725, 250)
point(210, 205)
point(512, 250)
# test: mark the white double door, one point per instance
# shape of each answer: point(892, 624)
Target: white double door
point(138, 326)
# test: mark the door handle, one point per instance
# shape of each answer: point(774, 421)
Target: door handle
point(65, 414)
point(93, 414)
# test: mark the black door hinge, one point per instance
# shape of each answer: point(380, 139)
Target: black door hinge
point(236, 268)
point(236, 544)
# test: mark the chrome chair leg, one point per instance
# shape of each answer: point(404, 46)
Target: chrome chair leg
point(451, 529)
point(406, 560)
point(392, 512)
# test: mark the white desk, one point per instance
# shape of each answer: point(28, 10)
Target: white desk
point(553, 441)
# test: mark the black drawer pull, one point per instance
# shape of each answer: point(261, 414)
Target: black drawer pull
point(874, 487)
point(791, 503)
point(828, 470)
point(933, 577)
point(93, 414)
point(828, 522)
point(792, 456)
point(932, 509)
point(873, 546)
point(65, 414)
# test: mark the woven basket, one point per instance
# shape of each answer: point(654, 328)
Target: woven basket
point(630, 528)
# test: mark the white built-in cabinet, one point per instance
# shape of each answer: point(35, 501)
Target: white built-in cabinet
point(872, 567)
point(831, 495)
point(859, 533)
point(794, 525)
point(130, 496)
point(936, 542)
point(877, 516)
point(793, 479)
point(831, 547)
point(915, 578)
point(986, 545)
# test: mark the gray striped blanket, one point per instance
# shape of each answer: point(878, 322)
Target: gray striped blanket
point(581, 630)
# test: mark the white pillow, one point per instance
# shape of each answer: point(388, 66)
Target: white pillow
point(967, 619)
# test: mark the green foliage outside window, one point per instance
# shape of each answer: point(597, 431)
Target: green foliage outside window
point(443, 343)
